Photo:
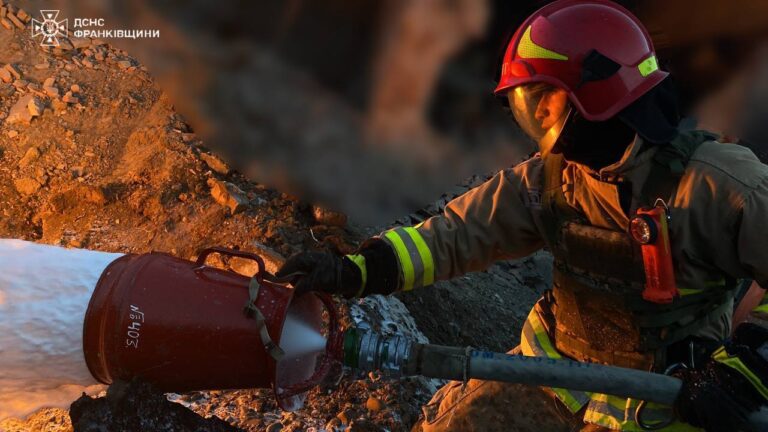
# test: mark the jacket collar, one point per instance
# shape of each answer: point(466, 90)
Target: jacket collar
point(636, 155)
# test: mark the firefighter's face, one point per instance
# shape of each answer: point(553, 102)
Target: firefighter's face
point(551, 107)
point(540, 110)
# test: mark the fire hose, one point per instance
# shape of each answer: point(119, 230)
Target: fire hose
point(396, 356)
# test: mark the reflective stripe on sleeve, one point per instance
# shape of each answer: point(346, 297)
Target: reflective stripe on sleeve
point(359, 261)
point(414, 256)
point(734, 362)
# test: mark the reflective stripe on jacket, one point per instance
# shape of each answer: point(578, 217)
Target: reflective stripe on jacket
point(605, 410)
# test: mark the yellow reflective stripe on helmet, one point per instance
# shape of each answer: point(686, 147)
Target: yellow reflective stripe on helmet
point(528, 49)
point(648, 66)
point(359, 261)
point(403, 257)
point(426, 256)
point(734, 362)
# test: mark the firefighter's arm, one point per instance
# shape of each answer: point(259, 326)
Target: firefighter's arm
point(752, 235)
point(488, 223)
point(720, 395)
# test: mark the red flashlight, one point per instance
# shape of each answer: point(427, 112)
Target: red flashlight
point(649, 228)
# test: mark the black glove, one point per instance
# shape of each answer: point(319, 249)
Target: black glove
point(322, 271)
point(718, 397)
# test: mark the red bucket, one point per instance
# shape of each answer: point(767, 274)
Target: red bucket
point(181, 326)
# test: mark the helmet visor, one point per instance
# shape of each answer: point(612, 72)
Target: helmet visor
point(541, 111)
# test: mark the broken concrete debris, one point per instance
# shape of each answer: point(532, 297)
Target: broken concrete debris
point(35, 107)
point(20, 112)
point(215, 163)
point(228, 195)
point(70, 98)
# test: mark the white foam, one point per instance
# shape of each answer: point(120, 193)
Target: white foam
point(44, 293)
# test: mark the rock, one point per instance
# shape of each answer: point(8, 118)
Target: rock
point(52, 92)
point(274, 427)
point(75, 89)
point(65, 44)
point(346, 416)
point(15, 20)
point(30, 156)
point(26, 186)
point(334, 425)
point(12, 134)
point(70, 98)
point(91, 194)
point(42, 66)
point(124, 64)
point(228, 195)
point(23, 15)
point(328, 217)
point(188, 137)
point(35, 107)
point(5, 75)
point(13, 70)
point(78, 43)
point(87, 63)
point(215, 163)
point(7, 24)
point(272, 261)
point(49, 82)
point(374, 405)
point(20, 111)
point(58, 105)
point(7, 90)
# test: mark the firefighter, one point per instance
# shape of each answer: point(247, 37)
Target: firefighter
point(581, 78)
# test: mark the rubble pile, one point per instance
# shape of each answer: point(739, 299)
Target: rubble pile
point(93, 155)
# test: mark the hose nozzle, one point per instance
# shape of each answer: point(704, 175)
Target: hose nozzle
point(368, 351)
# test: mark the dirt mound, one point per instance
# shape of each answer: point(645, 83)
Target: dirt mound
point(93, 155)
point(137, 407)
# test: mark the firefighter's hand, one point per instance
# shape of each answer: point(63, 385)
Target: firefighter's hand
point(322, 271)
point(721, 395)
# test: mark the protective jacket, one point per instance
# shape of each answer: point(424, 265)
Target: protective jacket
point(717, 195)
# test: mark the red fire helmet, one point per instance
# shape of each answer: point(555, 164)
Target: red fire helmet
point(595, 50)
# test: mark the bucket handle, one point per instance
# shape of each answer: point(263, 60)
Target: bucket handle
point(235, 253)
point(250, 310)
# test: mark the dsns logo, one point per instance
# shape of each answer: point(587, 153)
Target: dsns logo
point(49, 28)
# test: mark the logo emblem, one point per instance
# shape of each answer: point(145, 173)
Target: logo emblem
point(49, 28)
